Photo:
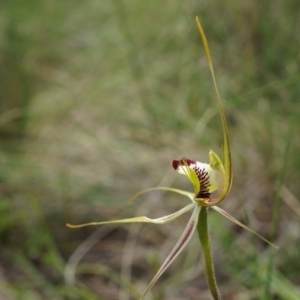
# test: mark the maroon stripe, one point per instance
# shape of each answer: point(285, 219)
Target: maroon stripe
point(225, 213)
point(179, 246)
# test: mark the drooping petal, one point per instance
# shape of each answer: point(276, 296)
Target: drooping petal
point(202, 176)
point(181, 243)
point(228, 216)
point(226, 165)
point(162, 188)
point(141, 219)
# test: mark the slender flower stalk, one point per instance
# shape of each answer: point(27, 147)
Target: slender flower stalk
point(208, 260)
point(206, 178)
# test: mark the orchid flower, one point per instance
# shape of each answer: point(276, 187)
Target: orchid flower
point(206, 178)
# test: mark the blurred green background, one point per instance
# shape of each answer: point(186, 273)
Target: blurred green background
point(96, 100)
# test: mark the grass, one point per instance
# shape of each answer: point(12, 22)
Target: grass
point(97, 98)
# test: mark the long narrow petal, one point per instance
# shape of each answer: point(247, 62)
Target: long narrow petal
point(142, 219)
point(228, 216)
point(162, 188)
point(226, 145)
point(181, 243)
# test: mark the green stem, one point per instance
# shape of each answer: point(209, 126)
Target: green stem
point(202, 228)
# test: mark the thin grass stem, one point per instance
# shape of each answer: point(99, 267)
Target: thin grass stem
point(275, 216)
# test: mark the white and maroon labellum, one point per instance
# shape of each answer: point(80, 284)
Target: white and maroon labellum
point(200, 174)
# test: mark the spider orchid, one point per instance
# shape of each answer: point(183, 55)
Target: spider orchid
point(215, 177)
